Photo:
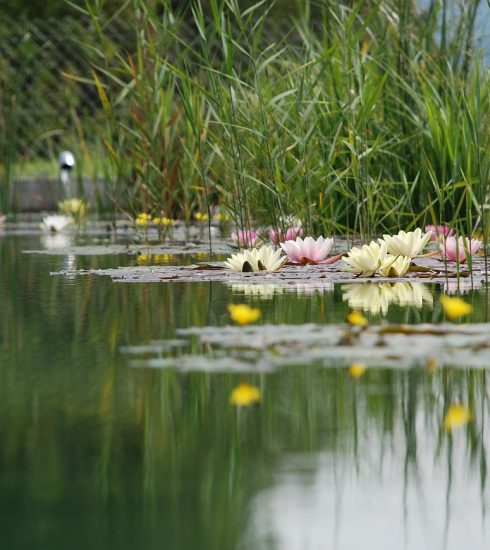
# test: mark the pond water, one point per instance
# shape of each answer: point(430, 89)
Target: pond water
point(95, 453)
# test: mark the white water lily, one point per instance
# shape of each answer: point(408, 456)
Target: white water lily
point(55, 222)
point(394, 266)
point(264, 258)
point(366, 260)
point(409, 244)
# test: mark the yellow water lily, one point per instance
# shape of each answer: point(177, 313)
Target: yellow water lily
point(222, 217)
point(76, 208)
point(409, 244)
point(243, 314)
point(456, 416)
point(201, 217)
point(355, 318)
point(455, 307)
point(244, 395)
point(163, 221)
point(356, 370)
point(143, 219)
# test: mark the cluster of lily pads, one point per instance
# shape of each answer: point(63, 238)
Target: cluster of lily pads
point(390, 256)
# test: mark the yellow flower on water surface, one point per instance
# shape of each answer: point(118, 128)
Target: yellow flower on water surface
point(76, 208)
point(201, 217)
point(143, 219)
point(357, 319)
point(356, 370)
point(245, 395)
point(243, 314)
point(455, 307)
point(148, 259)
point(221, 217)
point(163, 221)
point(456, 416)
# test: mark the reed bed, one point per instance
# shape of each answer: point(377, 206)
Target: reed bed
point(357, 117)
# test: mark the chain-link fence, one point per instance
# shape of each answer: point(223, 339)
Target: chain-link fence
point(42, 110)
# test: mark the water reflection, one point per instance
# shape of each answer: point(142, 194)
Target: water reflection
point(267, 291)
point(461, 286)
point(376, 298)
point(56, 241)
point(92, 450)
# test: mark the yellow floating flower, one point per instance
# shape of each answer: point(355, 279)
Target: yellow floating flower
point(243, 314)
point(357, 319)
point(356, 370)
point(143, 219)
point(455, 307)
point(162, 221)
point(456, 416)
point(76, 208)
point(201, 217)
point(244, 395)
point(143, 258)
point(221, 217)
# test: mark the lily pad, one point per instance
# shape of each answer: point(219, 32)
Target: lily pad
point(262, 348)
point(434, 271)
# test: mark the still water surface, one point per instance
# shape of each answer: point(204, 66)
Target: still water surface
point(96, 454)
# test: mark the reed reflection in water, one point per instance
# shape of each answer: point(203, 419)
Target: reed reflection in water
point(97, 453)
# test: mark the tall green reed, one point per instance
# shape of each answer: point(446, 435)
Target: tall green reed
point(356, 117)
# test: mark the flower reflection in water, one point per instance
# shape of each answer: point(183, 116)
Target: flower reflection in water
point(376, 298)
point(267, 291)
point(461, 286)
point(264, 292)
point(56, 241)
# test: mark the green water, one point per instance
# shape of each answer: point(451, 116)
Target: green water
point(96, 454)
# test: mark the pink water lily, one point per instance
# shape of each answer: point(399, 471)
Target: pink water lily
point(458, 250)
point(308, 251)
point(291, 233)
point(245, 237)
point(439, 231)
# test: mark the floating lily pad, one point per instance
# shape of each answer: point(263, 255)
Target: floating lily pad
point(426, 270)
point(135, 249)
point(263, 348)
